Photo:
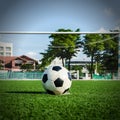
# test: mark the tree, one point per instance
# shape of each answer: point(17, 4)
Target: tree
point(92, 47)
point(102, 48)
point(64, 46)
point(47, 58)
point(110, 55)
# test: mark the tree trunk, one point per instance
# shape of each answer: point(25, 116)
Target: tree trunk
point(91, 70)
point(63, 62)
point(69, 64)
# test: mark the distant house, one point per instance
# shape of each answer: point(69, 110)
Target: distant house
point(13, 63)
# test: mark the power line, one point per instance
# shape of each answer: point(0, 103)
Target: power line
point(103, 40)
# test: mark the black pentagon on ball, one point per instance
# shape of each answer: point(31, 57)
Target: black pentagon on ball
point(66, 90)
point(56, 68)
point(50, 92)
point(45, 78)
point(58, 82)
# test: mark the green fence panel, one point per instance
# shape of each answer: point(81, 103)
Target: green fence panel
point(21, 75)
point(104, 76)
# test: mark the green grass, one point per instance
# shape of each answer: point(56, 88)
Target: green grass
point(88, 100)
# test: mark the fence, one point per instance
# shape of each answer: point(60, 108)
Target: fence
point(38, 75)
point(20, 75)
point(109, 76)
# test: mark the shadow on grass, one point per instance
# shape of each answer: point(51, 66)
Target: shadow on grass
point(27, 92)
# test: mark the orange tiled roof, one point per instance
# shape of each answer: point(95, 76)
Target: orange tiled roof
point(7, 59)
point(27, 58)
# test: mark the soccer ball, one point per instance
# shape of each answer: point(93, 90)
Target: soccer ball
point(56, 80)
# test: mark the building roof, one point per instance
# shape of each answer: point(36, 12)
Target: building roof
point(27, 58)
point(7, 59)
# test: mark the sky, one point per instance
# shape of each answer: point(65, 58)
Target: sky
point(51, 15)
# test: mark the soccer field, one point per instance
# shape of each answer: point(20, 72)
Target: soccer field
point(88, 100)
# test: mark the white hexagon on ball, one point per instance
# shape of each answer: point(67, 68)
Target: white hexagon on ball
point(56, 80)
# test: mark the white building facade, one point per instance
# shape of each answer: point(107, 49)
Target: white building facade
point(6, 49)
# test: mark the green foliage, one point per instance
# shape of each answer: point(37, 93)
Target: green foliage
point(91, 44)
point(77, 67)
point(48, 56)
point(1, 66)
point(110, 55)
point(103, 49)
point(65, 43)
point(88, 100)
point(92, 47)
point(27, 67)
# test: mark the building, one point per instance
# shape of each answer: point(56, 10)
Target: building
point(80, 63)
point(6, 49)
point(83, 64)
point(58, 61)
point(13, 63)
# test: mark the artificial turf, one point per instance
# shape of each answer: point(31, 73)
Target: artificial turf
point(88, 100)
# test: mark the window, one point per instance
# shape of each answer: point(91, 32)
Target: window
point(8, 48)
point(8, 54)
point(18, 62)
point(30, 62)
point(1, 53)
point(1, 48)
